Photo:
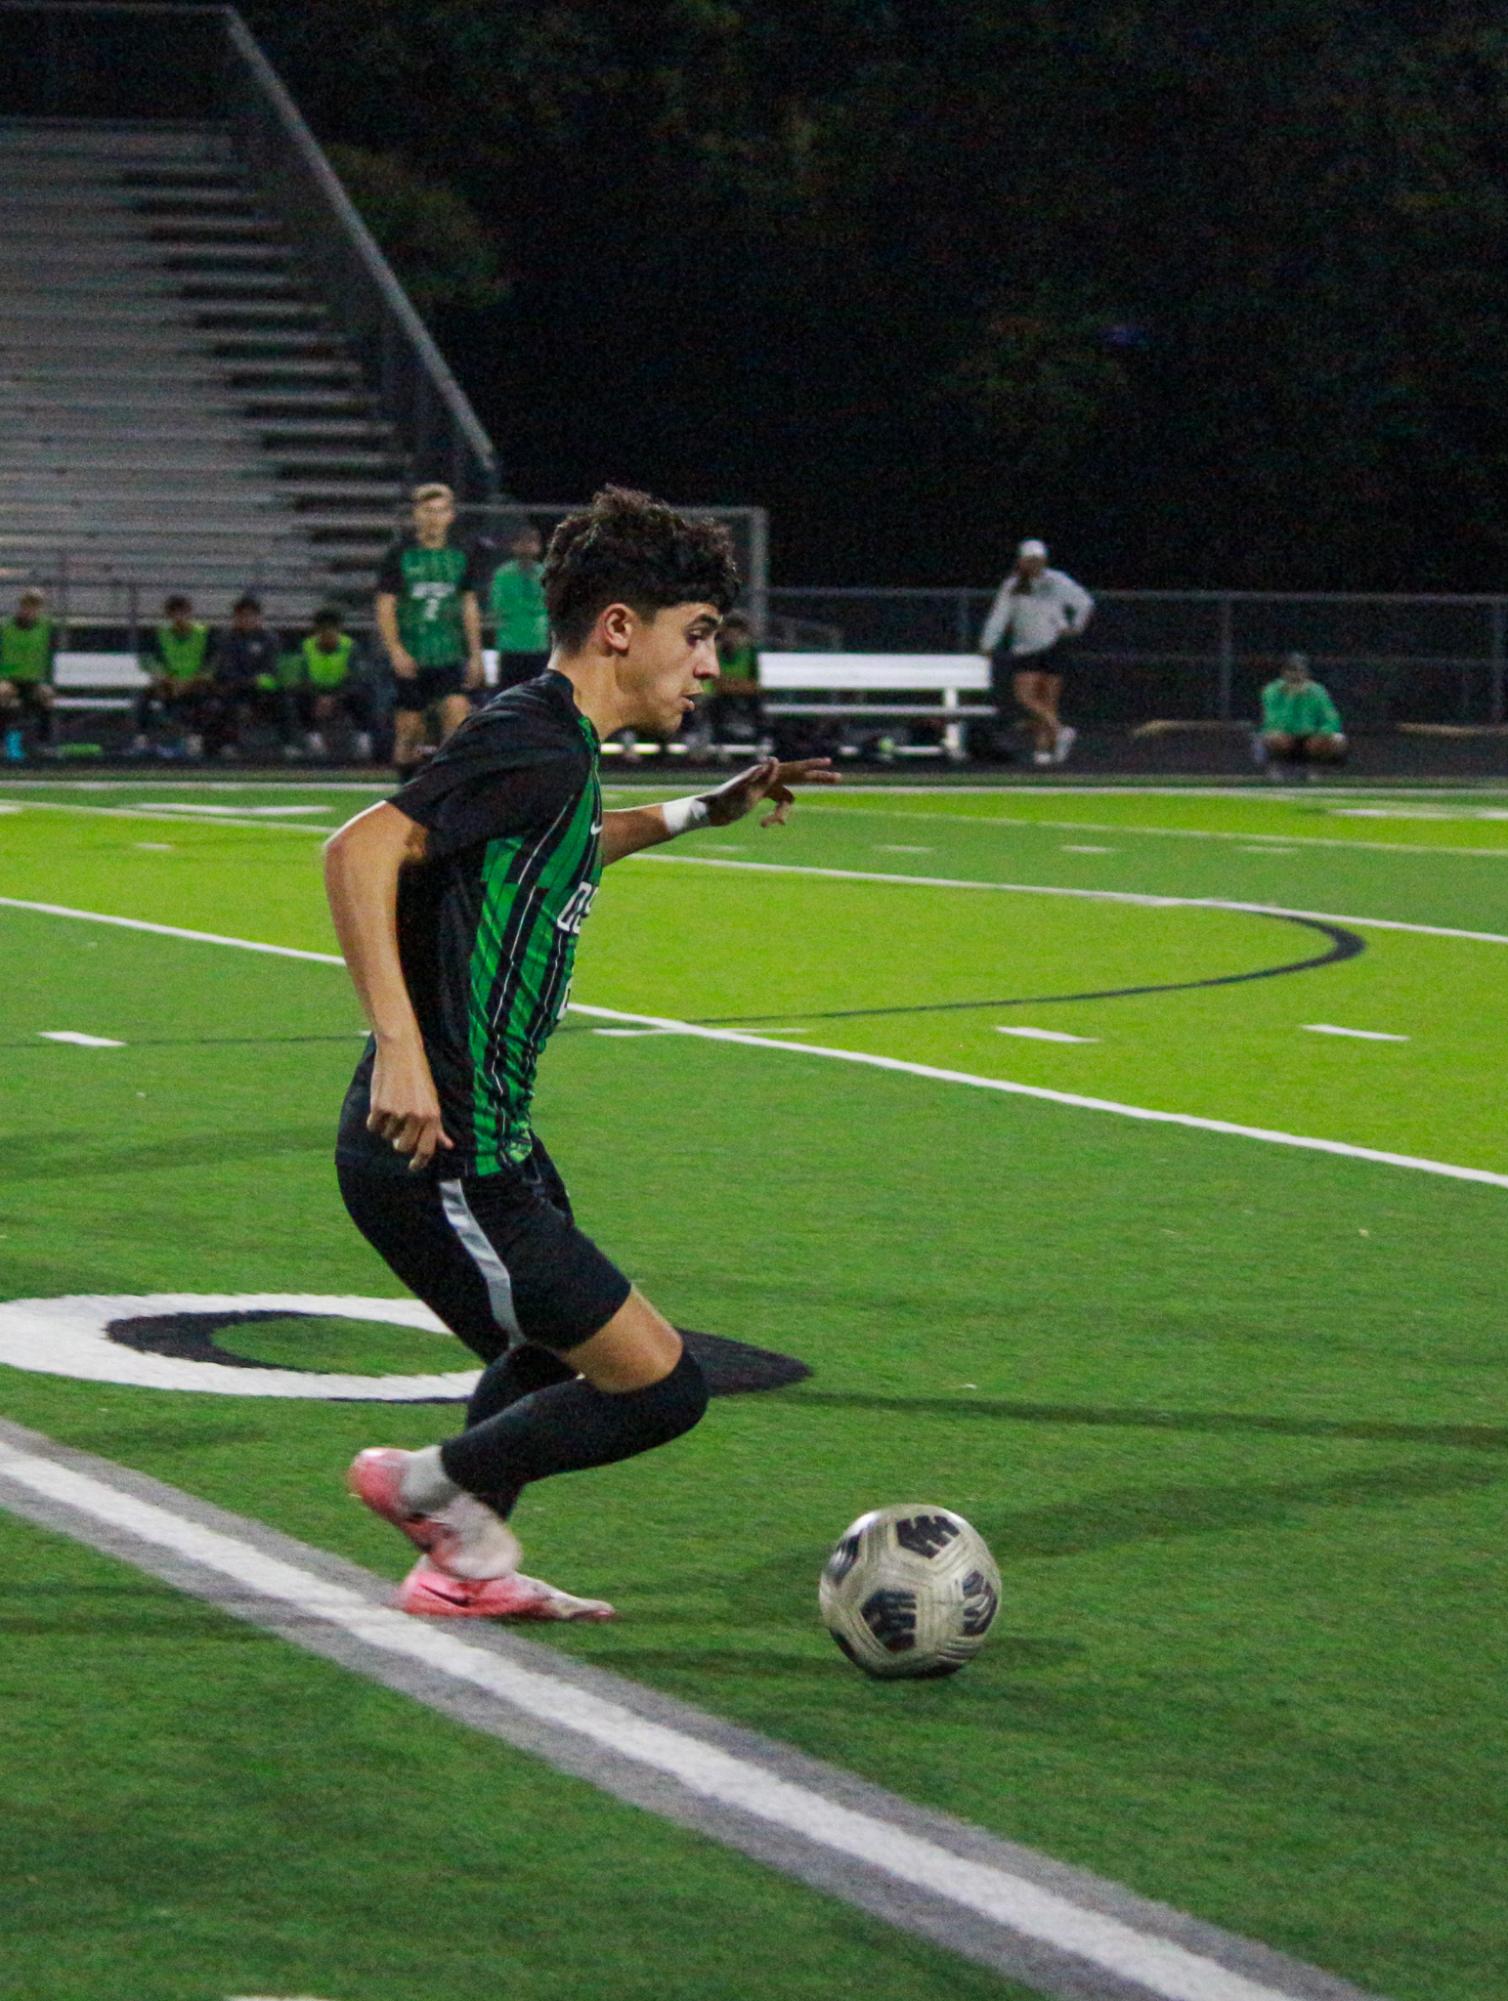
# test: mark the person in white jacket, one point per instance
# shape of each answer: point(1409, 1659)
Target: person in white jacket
point(1035, 614)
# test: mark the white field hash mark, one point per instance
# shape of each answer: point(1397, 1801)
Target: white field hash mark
point(731, 1782)
point(1195, 1122)
point(76, 1035)
point(1359, 1034)
point(1045, 1034)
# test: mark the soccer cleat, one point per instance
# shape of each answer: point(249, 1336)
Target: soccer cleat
point(1041, 757)
point(1063, 743)
point(463, 1537)
point(431, 1593)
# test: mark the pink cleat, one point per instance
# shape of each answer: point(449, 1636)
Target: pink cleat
point(463, 1537)
point(430, 1592)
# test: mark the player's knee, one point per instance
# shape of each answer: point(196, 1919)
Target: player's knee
point(674, 1405)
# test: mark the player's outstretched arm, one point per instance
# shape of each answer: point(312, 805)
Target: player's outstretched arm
point(768, 782)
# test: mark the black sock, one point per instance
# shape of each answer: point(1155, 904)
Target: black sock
point(568, 1428)
point(514, 1375)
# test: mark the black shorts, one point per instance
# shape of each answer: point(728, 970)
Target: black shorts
point(430, 685)
point(497, 1256)
point(1005, 665)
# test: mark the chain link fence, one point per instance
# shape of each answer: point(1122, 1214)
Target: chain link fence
point(1205, 655)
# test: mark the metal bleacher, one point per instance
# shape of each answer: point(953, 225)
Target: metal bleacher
point(210, 380)
point(174, 404)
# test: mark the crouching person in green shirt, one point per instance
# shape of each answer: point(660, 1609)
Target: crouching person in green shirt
point(331, 682)
point(27, 644)
point(1300, 724)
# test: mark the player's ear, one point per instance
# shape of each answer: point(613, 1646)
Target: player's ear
point(616, 626)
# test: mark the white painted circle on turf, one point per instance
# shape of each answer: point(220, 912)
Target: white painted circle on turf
point(69, 1337)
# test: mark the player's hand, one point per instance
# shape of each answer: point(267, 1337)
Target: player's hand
point(405, 666)
point(767, 780)
point(405, 1105)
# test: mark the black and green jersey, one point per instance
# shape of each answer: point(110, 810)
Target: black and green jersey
point(487, 924)
point(429, 585)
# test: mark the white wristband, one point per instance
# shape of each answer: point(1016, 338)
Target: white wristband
point(681, 815)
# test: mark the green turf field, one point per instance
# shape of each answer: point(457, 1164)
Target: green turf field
point(1230, 1410)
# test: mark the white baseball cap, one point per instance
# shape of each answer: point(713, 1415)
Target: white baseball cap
point(1033, 548)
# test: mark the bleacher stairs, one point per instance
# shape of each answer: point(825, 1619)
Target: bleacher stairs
point(176, 409)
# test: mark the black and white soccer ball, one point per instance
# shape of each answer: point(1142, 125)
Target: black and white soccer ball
point(910, 1591)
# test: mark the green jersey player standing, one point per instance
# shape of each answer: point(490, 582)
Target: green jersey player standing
point(458, 904)
point(431, 624)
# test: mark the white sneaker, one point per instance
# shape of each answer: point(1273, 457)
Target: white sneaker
point(362, 745)
point(140, 745)
point(193, 745)
point(314, 743)
point(1042, 757)
point(1063, 743)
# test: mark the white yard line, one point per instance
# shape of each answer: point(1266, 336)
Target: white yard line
point(864, 1058)
point(77, 1035)
point(876, 1841)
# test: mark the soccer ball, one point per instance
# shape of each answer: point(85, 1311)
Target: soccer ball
point(910, 1591)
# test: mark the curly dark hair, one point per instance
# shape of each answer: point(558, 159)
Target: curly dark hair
point(629, 549)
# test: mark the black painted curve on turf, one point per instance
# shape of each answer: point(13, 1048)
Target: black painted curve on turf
point(1343, 945)
point(732, 1368)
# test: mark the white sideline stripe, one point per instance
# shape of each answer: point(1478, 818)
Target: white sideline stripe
point(1194, 1121)
point(1045, 1034)
point(171, 931)
point(179, 816)
point(672, 1024)
point(77, 1035)
point(223, 816)
point(942, 882)
point(1017, 823)
point(1145, 898)
point(706, 1770)
point(1361, 1034)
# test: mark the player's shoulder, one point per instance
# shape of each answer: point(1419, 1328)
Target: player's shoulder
point(540, 714)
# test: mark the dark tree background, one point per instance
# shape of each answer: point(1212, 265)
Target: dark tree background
point(1205, 296)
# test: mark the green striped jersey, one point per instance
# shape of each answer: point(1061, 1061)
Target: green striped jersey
point(487, 924)
point(429, 585)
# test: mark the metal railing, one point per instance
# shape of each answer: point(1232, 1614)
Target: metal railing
point(1205, 655)
point(110, 59)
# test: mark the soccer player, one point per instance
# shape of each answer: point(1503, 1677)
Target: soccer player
point(1035, 614)
point(1301, 726)
point(27, 644)
point(431, 625)
point(517, 602)
point(458, 904)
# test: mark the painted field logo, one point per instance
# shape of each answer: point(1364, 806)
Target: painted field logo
point(184, 1341)
point(191, 1341)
